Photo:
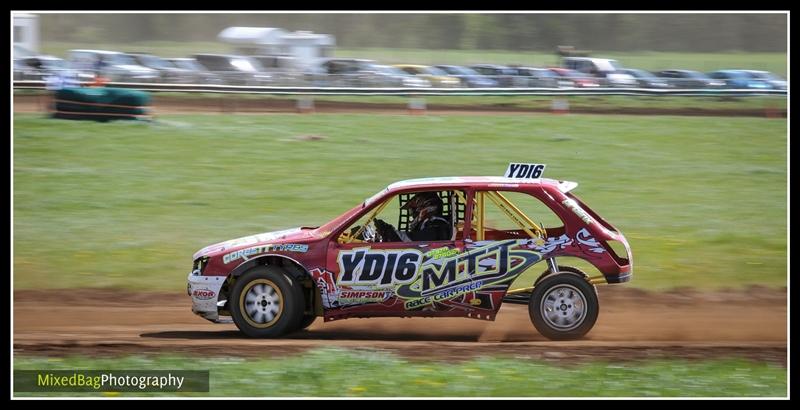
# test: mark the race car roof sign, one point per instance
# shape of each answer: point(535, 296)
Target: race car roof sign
point(524, 171)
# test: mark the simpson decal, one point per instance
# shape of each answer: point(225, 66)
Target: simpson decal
point(334, 296)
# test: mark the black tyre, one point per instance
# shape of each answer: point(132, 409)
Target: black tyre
point(563, 306)
point(307, 321)
point(265, 302)
point(561, 268)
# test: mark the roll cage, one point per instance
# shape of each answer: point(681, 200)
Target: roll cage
point(464, 219)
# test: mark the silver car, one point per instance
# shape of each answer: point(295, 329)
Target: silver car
point(116, 66)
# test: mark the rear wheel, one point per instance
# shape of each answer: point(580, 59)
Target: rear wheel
point(561, 268)
point(563, 306)
point(265, 302)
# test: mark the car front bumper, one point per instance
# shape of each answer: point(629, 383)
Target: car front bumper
point(204, 291)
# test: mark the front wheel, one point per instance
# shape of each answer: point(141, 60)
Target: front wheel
point(563, 306)
point(307, 321)
point(265, 302)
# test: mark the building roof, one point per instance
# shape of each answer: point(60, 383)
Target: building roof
point(252, 35)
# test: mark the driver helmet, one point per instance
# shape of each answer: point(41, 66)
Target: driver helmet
point(423, 206)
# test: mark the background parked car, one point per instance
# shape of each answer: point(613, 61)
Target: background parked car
point(468, 76)
point(168, 72)
point(646, 79)
point(505, 76)
point(342, 72)
point(202, 74)
point(542, 77)
point(775, 81)
point(390, 76)
point(608, 70)
point(689, 79)
point(739, 79)
point(113, 65)
point(38, 67)
point(437, 77)
point(579, 79)
point(235, 70)
point(283, 68)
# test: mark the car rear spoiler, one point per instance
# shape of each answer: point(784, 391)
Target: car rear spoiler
point(566, 186)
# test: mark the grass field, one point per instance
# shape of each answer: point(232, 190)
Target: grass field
point(774, 62)
point(336, 373)
point(702, 200)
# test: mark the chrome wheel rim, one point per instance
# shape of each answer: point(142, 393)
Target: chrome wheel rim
point(262, 303)
point(563, 307)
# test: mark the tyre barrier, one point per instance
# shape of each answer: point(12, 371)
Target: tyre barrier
point(101, 104)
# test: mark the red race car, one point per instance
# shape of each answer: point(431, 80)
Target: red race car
point(456, 246)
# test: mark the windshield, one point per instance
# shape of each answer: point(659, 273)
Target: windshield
point(246, 64)
point(389, 70)
point(697, 75)
point(640, 73)
point(737, 74)
point(54, 64)
point(615, 64)
point(543, 73)
point(763, 75)
point(155, 62)
point(185, 64)
point(434, 71)
point(333, 224)
point(460, 70)
point(120, 59)
point(571, 73)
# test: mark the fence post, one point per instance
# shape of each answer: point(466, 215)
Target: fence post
point(305, 104)
point(559, 106)
point(416, 106)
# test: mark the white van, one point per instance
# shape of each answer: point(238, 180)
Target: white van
point(602, 68)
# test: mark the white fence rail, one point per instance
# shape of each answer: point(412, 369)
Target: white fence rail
point(233, 89)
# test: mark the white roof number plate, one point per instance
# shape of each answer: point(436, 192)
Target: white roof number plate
point(524, 171)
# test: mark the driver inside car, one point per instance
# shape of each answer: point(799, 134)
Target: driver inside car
point(427, 223)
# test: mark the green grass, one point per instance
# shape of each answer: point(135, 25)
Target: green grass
point(774, 62)
point(702, 200)
point(336, 373)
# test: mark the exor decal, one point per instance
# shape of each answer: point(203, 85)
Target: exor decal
point(519, 170)
point(203, 294)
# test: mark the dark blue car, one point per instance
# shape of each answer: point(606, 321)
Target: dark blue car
point(739, 79)
point(468, 77)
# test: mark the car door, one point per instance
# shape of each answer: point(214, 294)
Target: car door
point(515, 229)
point(390, 278)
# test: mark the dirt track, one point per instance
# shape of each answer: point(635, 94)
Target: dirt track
point(632, 324)
point(229, 104)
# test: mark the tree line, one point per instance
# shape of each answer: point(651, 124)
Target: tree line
point(539, 32)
